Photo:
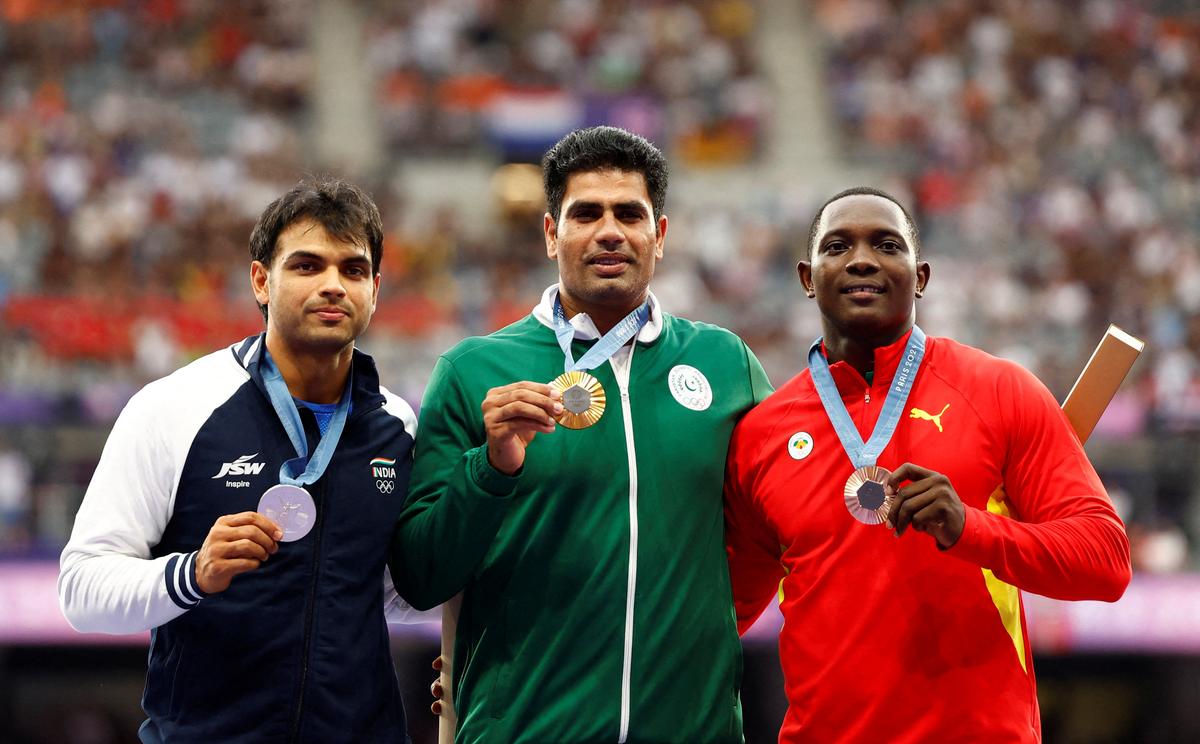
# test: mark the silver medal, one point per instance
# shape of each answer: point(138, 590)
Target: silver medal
point(290, 507)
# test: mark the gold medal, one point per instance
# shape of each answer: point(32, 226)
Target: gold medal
point(865, 497)
point(582, 399)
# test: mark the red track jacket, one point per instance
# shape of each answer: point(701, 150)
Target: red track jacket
point(889, 639)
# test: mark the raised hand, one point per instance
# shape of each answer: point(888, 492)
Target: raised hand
point(512, 415)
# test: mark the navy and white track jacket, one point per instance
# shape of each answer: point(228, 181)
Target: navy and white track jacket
point(293, 651)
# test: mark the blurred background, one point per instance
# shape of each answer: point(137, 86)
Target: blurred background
point(1051, 151)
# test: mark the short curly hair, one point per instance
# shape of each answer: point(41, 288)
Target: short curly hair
point(913, 236)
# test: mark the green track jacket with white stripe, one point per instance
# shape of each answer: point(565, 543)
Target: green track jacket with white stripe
point(596, 602)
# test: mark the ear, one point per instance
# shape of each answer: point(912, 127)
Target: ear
point(258, 282)
point(660, 238)
point(375, 292)
point(804, 270)
point(550, 229)
point(922, 277)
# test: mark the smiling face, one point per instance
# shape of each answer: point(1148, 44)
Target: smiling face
point(864, 272)
point(606, 243)
point(319, 291)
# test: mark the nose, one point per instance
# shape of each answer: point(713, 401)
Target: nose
point(608, 232)
point(862, 260)
point(331, 283)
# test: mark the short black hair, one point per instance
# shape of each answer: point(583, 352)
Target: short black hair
point(913, 236)
point(598, 148)
point(345, 211)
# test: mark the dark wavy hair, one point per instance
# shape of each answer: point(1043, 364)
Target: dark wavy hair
point(345, 211)
point(597, 148)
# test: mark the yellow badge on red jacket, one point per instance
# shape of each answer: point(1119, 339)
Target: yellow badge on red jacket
point(800, 445)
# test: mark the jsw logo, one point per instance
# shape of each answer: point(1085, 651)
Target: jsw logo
point(240, 466)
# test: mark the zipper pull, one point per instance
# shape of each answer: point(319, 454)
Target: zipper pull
point(867, 397)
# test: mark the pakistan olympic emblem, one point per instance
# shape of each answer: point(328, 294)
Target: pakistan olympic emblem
point(690, 387)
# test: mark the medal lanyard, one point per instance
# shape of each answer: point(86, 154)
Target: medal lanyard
point(902, 382)
point(616, 337)
point(302, 470)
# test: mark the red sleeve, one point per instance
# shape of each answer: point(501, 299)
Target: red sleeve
point(1064, 540)
point(755, 569)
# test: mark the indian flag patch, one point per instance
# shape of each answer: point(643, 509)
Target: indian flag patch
point(382, 467)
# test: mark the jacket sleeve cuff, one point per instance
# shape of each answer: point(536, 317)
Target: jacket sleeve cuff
point(180, 577)
point(486, 477)
point(974, 544)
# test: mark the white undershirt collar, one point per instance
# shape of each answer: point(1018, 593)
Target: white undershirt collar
point(585, 327)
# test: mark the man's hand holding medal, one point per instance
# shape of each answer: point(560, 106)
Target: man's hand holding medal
point(928, 504)
point(512, 416)
point(237, 543)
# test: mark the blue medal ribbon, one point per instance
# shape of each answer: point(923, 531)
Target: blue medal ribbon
point(608, 344)
point(302, 470)
point(862, 454)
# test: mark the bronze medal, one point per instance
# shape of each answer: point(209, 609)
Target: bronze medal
point(865, 497)
point(582, 399)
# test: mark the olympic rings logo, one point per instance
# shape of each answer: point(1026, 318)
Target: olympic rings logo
point(385, 486)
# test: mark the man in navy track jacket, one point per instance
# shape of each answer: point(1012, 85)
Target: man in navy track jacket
point(267, 617)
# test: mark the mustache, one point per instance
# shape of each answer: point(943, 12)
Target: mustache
point(319, 306)
point(610, 254)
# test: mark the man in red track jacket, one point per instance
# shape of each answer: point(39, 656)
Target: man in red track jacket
point(865, 485)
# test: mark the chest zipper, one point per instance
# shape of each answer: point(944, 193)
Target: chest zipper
point(320, 496)
point(631, 588)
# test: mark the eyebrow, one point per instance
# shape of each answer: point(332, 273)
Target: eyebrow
point(593, 205)
point(303, 255)
point(882, 232)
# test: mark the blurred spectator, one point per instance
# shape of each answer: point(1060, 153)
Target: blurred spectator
point(16, 481)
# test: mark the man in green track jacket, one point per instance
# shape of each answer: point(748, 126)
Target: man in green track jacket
point(571, 487)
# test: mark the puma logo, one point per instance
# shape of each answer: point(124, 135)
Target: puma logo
point(936, 418)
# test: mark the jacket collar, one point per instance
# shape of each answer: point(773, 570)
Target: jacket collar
point(887, 359)
point(364, 376)
point(585, 328)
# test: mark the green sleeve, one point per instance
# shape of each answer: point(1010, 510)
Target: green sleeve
point(456, 499)
point(760, 385)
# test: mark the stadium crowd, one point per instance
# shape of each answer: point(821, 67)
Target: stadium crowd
point(1054, 164)
point(463, 76)
point(1053, 151)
